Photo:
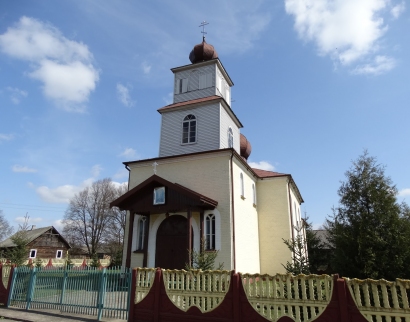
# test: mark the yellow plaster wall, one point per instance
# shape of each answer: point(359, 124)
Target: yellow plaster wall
point(274, 224)
point(246, 222)
point(207, 174)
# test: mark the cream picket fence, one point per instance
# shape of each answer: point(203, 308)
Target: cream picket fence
point(301, 297)
point(203, 289)
point(381, 300)
point(145, 279)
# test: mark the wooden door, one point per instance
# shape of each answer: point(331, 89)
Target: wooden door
point(171, 245)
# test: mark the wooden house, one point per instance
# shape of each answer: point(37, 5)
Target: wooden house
point(45, 242)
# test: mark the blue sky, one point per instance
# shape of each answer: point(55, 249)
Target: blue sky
point(316, 82)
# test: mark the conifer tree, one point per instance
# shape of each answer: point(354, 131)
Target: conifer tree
point(369, 231)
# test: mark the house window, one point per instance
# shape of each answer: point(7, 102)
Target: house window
point(181, 86)
point(33, 253)
point(59, 254)
point(205, 80)
point(242, 187)
point(189, 129)
point(254, 194)
point(230, 137)
point(159, 196)
point(210, 232)
point(142, 222)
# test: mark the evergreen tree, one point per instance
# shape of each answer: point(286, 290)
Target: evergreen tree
point(369, 231)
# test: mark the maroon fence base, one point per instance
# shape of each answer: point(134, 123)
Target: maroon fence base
point(5, 291)
point(157, 307)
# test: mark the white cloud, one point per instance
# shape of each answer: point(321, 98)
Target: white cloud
point(123, 94)
point(62, 65)
point(96, 170)
point(146, 68)
point(169, 98)
point(129, 153)
point(380, 65)
point(122, 173)
point(346, 30)
point(25, 169)
point(63, 194)
point(22, 220)
point(58, 224)
point(263, 165)
point(16, 94)
point(6, 137)
point(398, 9)
point(404, 192)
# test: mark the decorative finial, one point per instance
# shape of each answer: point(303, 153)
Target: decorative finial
point(203, 24)
point(155, 167)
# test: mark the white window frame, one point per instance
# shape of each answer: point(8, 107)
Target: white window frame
point(205, 80)
point(254, 194)
point(181, 85)
point(230, 137)
point(210, 232)
point(242, 186)
point(35, 253)
point(189, 122)
point(61, 253)
point(142, 222)
point(159, 196)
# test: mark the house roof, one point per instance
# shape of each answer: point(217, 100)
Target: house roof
point(31, 235)
point(267, 174)
point(259, 173)
point(199, 101)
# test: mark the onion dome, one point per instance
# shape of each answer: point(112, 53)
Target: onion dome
point(202, 52)
point(246, 147)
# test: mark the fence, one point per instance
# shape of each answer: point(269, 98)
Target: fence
point(101, 292)
point(172, 295)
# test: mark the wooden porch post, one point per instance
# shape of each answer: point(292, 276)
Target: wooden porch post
point(189, 235)
point(130, 235)
point(144, 262)
point(201, 228)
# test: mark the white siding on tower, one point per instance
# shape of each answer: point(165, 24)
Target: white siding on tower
point(193, 77)
point(226, 122)
point(207, 117)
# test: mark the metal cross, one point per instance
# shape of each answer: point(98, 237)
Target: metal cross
point(203, 24)
point(155, 167)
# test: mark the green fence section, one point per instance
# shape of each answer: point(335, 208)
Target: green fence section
point(91, 291)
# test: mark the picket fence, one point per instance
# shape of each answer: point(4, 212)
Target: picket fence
point(224, 296)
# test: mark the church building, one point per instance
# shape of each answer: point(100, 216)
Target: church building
point(201, 187)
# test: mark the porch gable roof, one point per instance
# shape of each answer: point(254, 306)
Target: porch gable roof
point(178, 197)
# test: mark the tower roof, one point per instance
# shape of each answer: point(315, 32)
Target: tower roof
point(202, 52)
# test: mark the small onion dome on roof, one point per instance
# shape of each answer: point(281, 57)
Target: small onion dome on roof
point(246, 147)
point(202, 52)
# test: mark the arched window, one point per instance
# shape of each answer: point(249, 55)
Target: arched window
point(242, 187)
point(230, 137)
point(210, 232)
point(254, 193)
point(141, 232)
point(189, 129)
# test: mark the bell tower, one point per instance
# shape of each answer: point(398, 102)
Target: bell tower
point(200, 117)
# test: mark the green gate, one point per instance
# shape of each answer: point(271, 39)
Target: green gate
point(91, 291)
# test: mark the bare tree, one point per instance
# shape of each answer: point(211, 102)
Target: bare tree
point(5, 229)
point(116, 227)
point(89, 216)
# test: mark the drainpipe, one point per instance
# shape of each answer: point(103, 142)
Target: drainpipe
point(233, 215)
point(291, 212)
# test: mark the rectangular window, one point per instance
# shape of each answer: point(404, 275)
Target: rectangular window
point(205, 80)
point(59, 254)
point(159, 196)
point(181, 86)
point(33, 253)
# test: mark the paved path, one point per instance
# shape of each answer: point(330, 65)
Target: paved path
point(14, 314)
